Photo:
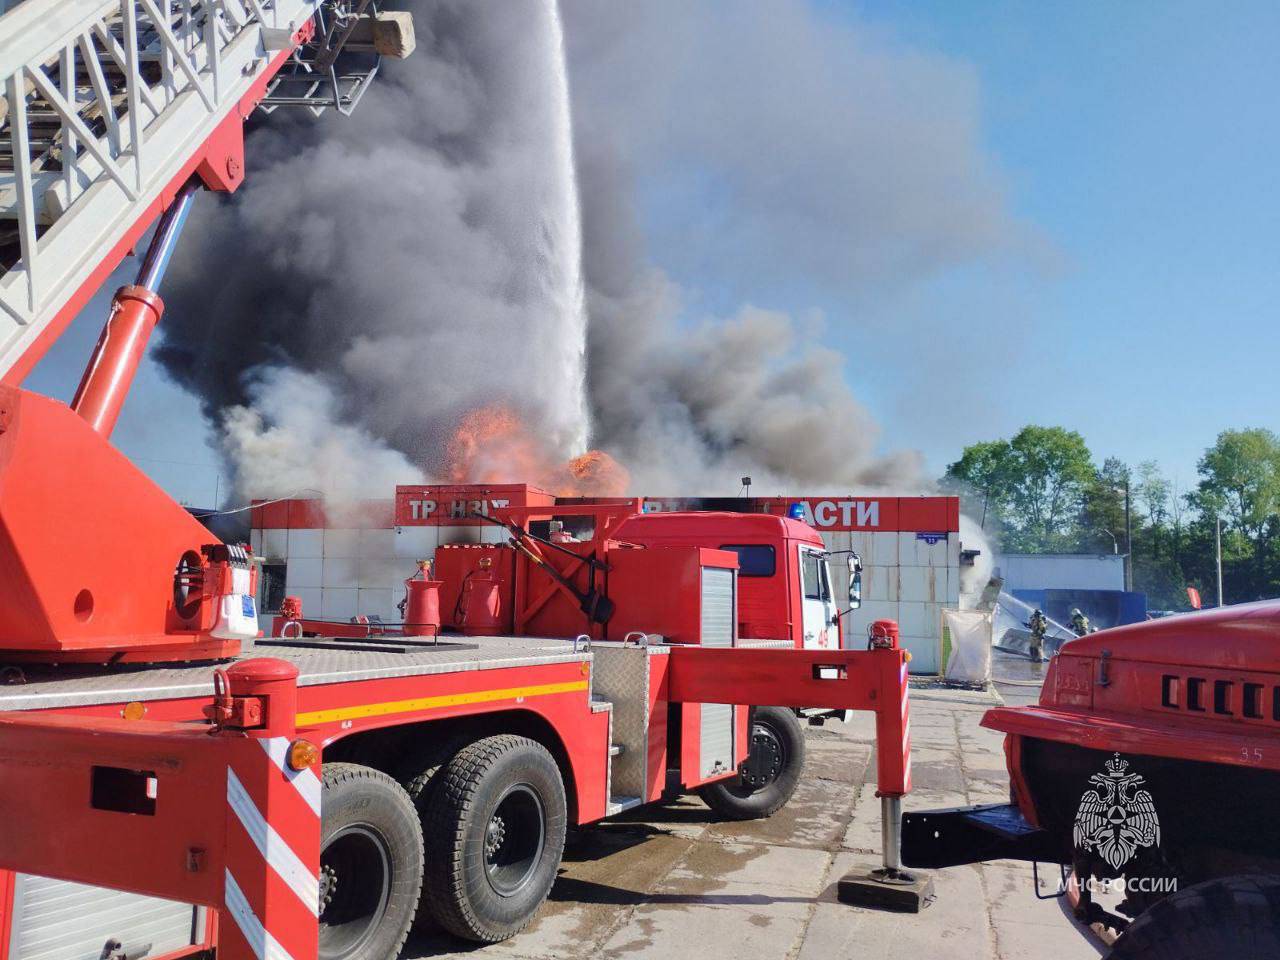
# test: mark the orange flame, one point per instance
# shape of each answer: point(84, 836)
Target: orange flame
point(594, 474)
point(492, 445)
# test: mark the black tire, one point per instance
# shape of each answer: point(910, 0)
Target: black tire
point(1232, 918)
point(495, 835)
point(421, 778)
point(370, 864)
point(772, 771)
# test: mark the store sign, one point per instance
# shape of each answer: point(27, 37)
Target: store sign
point(427, 510)
point(842, 514)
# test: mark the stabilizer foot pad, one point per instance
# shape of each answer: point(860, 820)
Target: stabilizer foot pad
point(883, 889)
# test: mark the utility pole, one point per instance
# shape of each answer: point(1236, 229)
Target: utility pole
point(1217, 543)
point(1128, 539)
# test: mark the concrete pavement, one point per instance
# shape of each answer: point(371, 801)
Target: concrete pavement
point(670, 881)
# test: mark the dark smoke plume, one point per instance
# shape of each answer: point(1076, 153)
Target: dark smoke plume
point(379, 276)
point(385, 274)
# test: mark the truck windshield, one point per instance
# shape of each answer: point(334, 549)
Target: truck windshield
point(754, 559)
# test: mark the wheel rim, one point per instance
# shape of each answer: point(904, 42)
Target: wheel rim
point(514, 839)
point(355, 882)
point(766, 761)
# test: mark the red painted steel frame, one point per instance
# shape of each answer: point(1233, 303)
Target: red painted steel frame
point(224, 821)
point(873, 680)
point(557, 693)
point(89, 589)
point(543, 605)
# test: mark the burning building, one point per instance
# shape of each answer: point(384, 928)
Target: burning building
point(353, 562)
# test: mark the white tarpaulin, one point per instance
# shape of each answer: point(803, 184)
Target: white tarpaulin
point(970, 632)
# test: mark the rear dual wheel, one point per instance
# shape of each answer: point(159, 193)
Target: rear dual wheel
point(370, 864)
point(494, 829)
point(494, 816)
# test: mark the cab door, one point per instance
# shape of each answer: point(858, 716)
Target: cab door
point(816, 606)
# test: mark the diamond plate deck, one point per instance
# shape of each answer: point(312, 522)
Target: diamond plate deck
point(53, 687)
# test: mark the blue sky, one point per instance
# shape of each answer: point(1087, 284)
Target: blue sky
point(1137, 147)
point(1142, 139)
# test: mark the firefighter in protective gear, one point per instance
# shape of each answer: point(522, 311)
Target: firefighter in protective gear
point(1038, 623)
point(1079, 623)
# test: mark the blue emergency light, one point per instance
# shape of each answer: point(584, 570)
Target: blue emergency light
point(796, 511)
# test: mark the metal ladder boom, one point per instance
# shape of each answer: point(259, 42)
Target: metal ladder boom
point(109, 107)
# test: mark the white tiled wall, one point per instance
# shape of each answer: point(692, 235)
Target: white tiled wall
point(306, 543)
point(416, 543)
point(311, 597)
point(304, 572)
point(341, 543)
point(379, 603)
point(339, 603)
point(275, 544)
point(377, 544)
point(904, 579)
point(342, 573)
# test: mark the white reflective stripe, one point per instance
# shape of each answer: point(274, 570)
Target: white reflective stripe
point(264, 945)
point(278, 854)
point(304, 781)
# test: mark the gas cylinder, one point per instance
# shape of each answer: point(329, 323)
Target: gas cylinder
point(422, 609)
point(480, 605)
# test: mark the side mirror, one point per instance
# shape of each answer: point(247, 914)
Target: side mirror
point(855, 581)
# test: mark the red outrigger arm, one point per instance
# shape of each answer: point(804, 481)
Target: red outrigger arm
point(206, 815)
point(874, 680)
point(217, 816)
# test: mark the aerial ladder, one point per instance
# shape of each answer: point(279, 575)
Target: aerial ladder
point(110, 108)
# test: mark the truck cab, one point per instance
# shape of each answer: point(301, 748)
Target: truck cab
point(786, 586)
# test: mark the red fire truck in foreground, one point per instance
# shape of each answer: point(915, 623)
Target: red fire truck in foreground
point(164, 787)
point(1150, 771)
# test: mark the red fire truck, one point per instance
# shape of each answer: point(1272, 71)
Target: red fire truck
point(165, 787)
point(786, 580)
point(1150, 772)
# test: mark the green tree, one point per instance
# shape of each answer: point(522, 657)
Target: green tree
point(1035, 482)
point(1240, 483)
point(1153, 491)
point(1102, 524)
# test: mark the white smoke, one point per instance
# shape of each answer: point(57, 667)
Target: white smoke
point(974, 579)
point(289, 443)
